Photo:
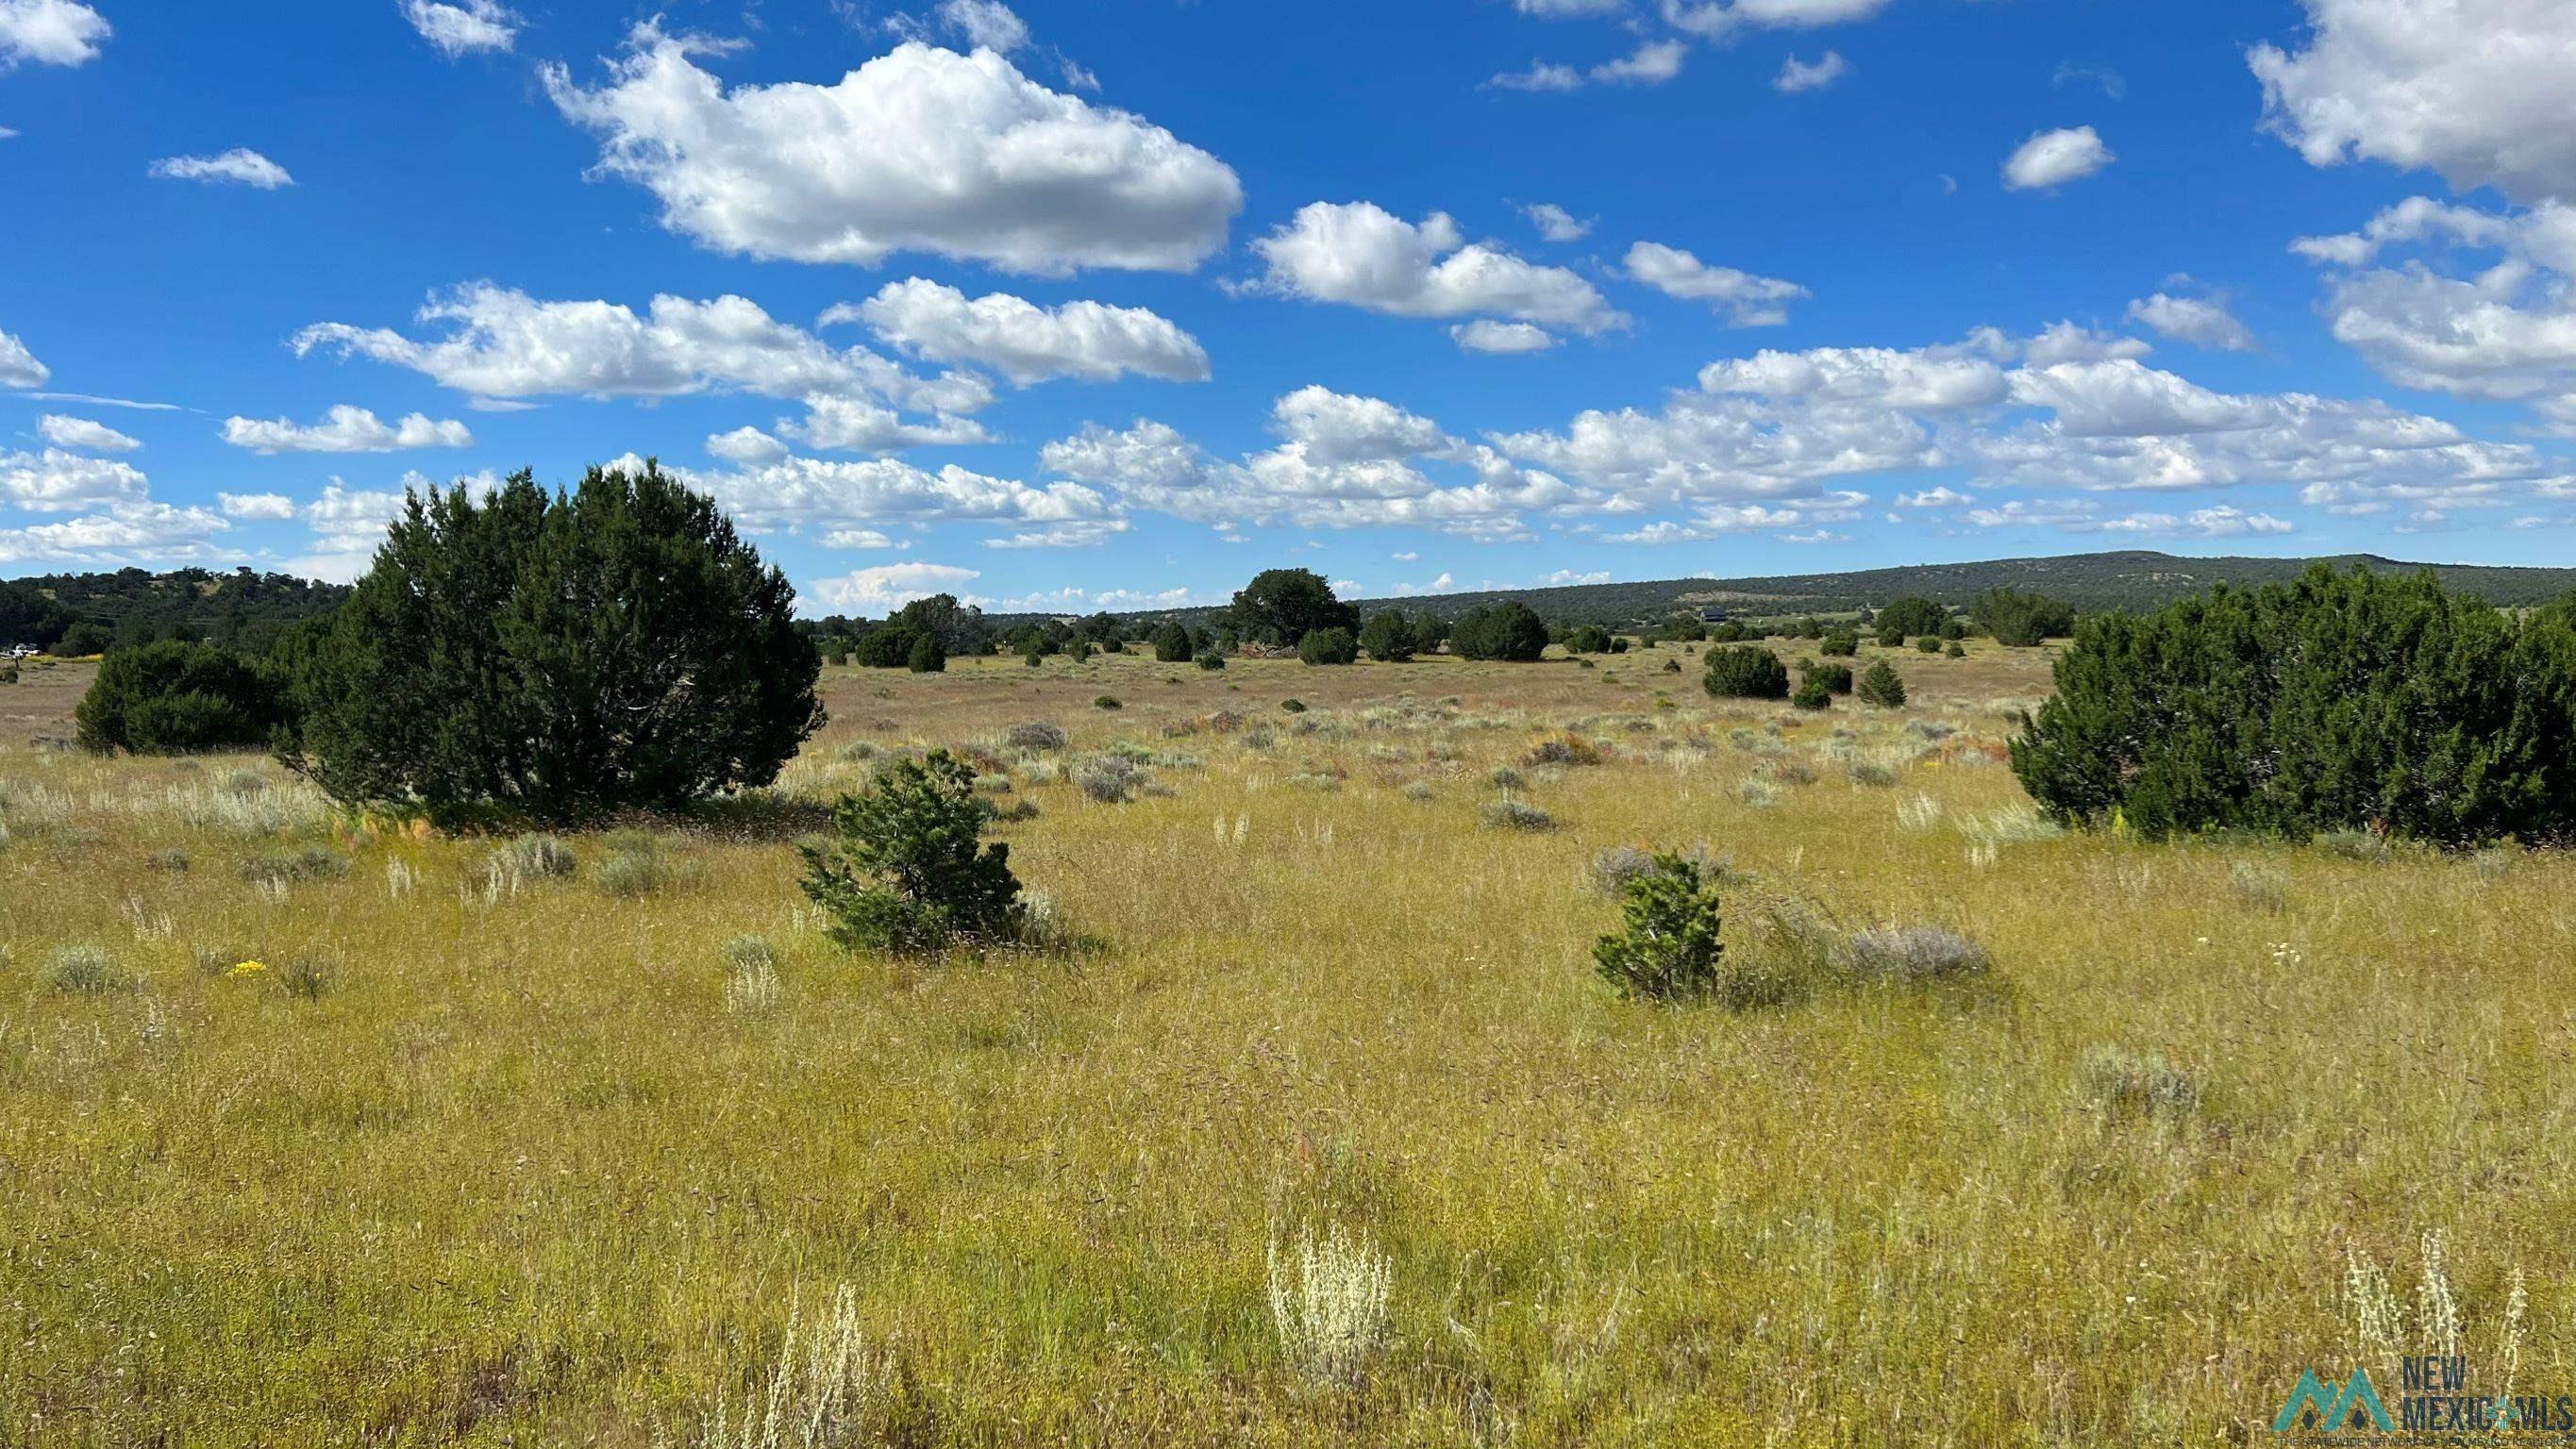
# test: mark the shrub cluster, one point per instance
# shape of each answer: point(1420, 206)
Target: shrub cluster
point(170, 698)
point(1508, 631)
point(1328, 646)
point(2020, 619)
point(1746, 671)
point(1389, 637)
point(2345, 701)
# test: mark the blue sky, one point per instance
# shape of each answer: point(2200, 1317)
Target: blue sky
point(1114, 303)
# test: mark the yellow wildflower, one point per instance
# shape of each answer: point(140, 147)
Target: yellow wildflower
point(248, 968)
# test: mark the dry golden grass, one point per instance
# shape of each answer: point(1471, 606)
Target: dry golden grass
point(510, 1164)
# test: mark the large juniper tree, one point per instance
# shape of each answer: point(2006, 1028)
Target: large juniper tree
point(2344, 701)
point(555, 655)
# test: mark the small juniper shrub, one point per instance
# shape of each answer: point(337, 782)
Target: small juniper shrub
point(1746, 671)
point(1955, 650)
point(1293, 706)
point(1812, 694)
point(1210, 659)
point(906, 868)
point(1666, 947)
point(1107, 701)
point(1836, 678)
point(1882, 686)
point(2132, 1084)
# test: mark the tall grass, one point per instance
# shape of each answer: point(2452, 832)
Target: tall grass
point(519, 1176)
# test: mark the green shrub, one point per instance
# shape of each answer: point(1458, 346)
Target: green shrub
point(1172, 643)
point(1882, 686)
point(2343, 701)
point(630, 874)
point(1667, 945)
point(1328, 646)
point(1506, 631)
point(82, 969)
point(1292, 706)
point(926, 656)
point(1590, 639)
point(1841, 644)
point(1928, 644)
point(172, 698)
point(1835, 677)
point(1509, 814)
point(1746, 671)
point(885, 647)
point(1210, 659)
point(1107, 701)
point(1910, 616)
point(2021, 620)
point(1812, 693)
point(1079, 651)
point(1955, 650)
point(555, 656)
point(906, 868)
point(1388, 636)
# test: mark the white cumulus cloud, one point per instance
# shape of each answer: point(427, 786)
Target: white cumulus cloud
point(83, 434)
point(2475, 90)
point(49, 32)
point(1025, 342)
point(2053, 158)
point(1360, 255)
point(346, 429)
point(921, 149)
point(1743, 298)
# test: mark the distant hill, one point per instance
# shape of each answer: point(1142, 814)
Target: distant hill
point(2097, 581)
point(2092, 582)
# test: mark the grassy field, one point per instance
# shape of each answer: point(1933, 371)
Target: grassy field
point(489, 1155)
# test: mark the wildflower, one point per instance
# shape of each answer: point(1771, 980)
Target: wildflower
point(247, 968)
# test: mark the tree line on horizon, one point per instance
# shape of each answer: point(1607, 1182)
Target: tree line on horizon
point(562, 655)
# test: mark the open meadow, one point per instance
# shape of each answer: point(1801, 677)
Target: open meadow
point(312, 1134)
